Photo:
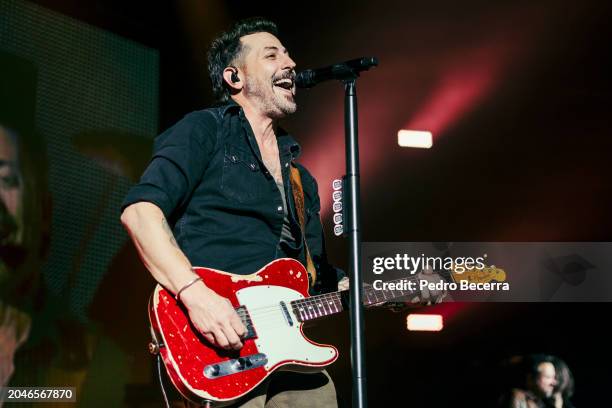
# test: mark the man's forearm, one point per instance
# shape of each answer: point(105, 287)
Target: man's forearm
point(156, 245)
point(211, 314)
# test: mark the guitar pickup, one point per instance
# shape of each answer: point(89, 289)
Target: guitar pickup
point(288, 318)
point(235, 365)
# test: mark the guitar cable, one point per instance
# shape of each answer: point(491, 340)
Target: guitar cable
point(161, 380)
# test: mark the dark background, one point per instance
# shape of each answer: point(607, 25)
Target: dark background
point(516, 94)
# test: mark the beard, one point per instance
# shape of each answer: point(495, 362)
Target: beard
point(275, 104)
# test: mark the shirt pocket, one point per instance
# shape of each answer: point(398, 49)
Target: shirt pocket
point(242, 179)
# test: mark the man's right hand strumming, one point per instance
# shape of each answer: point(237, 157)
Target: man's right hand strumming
point(213, 316)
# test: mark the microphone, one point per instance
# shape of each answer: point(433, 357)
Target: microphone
point(344, 70)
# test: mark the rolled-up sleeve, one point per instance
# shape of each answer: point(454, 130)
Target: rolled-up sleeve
point(180, 157)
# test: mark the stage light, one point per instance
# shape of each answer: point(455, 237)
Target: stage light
point(415, 138)
point(424, 322)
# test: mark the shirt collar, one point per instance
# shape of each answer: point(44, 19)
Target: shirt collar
point(230, 105)
point(286, 143)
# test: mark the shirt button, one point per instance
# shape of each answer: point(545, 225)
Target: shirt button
point(287, 164)
point(279, 208)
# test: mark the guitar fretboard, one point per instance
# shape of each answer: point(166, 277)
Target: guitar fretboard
point(318, 306)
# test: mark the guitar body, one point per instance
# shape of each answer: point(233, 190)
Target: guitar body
point(201, 372)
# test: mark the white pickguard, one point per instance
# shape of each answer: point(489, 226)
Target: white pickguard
point(275, 337)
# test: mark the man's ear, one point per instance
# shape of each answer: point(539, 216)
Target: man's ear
point(232, 78)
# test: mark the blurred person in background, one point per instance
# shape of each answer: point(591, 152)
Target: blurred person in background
point(537, 383)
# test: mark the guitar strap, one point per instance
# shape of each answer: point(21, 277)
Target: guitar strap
point(298, 197)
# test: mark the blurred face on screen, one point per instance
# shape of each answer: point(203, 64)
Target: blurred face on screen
point(14, 325)
point(11, 203)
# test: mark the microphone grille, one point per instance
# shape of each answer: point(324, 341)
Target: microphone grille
point(305, 79)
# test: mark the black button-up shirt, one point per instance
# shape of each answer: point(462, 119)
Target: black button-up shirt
point(208, 178)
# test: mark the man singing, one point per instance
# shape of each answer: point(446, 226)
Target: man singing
point(218, 193)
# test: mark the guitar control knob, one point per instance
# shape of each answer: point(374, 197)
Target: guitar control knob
point(215, 370)
point(153, 348)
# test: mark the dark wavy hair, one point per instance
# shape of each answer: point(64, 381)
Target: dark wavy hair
point(227, 49)
point(565, 378)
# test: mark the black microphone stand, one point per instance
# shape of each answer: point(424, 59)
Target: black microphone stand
point(348, 72)
point(353, 226)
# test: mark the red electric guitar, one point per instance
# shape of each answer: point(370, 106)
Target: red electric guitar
point(273, 305)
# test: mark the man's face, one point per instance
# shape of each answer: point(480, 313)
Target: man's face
point(270, 75)
point(546, 380)
point(11, 198)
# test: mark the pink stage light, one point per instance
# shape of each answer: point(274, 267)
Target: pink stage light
point(424, 322)
point(433, 90)
point(462, 87)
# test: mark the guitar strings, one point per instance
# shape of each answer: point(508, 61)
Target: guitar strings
point(310, 308)
point(369, 291)
point(271, 316)
point(313, 305)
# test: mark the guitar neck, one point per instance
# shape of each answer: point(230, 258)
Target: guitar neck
point(318, 306)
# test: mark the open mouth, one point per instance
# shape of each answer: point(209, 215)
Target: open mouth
point(286, 84)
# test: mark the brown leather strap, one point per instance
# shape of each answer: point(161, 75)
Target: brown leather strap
point(298, 197)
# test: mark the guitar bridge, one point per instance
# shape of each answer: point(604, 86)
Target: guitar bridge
point(236, 365)
point(243, 313)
